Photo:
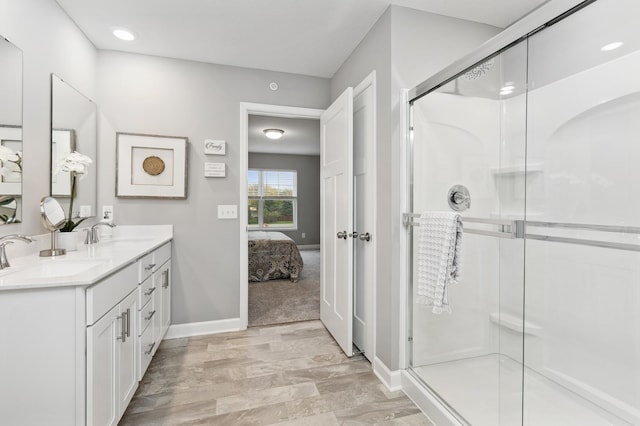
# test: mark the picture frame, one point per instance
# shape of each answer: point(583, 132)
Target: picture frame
point(151, 166)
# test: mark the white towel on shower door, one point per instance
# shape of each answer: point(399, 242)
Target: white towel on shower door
point(438, 257)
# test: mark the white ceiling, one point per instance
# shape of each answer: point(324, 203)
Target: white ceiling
point(301, 136)
point(309, 37)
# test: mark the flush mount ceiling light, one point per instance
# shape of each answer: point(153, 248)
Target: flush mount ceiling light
point(611, 46)
point(273, 133)
point(123, 34)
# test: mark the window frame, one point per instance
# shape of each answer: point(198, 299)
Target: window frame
point(261, 198)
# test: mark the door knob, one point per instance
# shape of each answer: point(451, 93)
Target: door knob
point(342, 234)
point(365, 237)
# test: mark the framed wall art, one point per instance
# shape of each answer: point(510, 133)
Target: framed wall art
point(151, 166)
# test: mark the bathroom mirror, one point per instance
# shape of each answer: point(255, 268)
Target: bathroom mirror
point(73, 128)
point(10, 132)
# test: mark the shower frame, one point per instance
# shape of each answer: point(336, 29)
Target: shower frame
point(543, 17)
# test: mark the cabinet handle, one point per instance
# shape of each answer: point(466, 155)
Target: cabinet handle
point(151, 290)
point(150, 348)
point(149, 266)
point(123, 327)
point(165, 278)
point(128, 322)
point(151, 314)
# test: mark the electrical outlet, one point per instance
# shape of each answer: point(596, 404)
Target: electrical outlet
point(304, 235)
point(228, 211)
point(85, 211)
point(107, 214)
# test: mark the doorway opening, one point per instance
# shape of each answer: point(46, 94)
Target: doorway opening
point(283, 186)
point(279, 215)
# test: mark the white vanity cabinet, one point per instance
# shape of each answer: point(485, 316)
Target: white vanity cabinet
point(154, 298)
point(71, 329)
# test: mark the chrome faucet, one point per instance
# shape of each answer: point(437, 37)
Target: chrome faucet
point(5, 241)
point(92, 233)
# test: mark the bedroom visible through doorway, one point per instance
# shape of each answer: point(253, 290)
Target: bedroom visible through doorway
point(283, 220)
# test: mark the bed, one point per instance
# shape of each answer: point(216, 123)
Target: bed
point(273, 256)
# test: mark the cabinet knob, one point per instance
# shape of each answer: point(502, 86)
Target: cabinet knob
point(150, 266)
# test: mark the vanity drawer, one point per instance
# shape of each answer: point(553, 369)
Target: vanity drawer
point(147, 316)
point(146, 290)
point(145, 267)
point(147, 345)
point(161, 255)
point(109, 292)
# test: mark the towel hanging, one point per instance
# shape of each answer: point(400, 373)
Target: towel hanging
point(438, 257)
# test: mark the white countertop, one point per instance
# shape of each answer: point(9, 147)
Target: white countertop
point(88, 265)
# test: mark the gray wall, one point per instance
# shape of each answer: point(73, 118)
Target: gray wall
point(405, 47)
point(50, 42)
point(308, 168)
point(146, 94)
point(374, 53)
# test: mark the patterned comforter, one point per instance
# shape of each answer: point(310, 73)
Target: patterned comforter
point(273, 256)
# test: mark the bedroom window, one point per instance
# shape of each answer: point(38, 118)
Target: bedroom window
point(273, 196)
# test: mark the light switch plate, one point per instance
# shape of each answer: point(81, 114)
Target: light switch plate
point(228, 211)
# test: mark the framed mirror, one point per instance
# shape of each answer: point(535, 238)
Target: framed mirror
point(10, 132)
point(73, 129)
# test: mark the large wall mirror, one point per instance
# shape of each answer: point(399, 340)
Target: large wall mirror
point(73, 129)
point(10, 132)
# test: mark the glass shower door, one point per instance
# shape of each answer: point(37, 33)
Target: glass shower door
point(471, 132)
point(583, 260)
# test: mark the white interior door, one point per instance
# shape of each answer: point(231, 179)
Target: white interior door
point(336, 220)
point(364, 214)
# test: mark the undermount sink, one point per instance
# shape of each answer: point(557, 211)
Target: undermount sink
point(54, 268)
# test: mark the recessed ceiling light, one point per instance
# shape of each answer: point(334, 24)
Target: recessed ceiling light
point(123, 34)
point(508, 87)
point(611, 46)
point(273, 133)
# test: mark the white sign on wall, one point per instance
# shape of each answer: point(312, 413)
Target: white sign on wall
point(215, 147)
point(214, 169)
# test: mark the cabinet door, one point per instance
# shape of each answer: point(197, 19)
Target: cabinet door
point(102, 364)
point(127, 372)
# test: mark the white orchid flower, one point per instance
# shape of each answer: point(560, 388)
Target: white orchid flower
point(74, 162)
point(7, 154)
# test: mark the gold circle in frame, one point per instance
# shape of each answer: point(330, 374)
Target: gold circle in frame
point(153, 165)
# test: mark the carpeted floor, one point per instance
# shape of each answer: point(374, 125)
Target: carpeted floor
point(281, 301)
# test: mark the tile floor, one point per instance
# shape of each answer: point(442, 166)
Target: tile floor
point(291, 374)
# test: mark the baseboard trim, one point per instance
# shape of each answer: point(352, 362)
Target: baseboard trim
point(391, 379)
point(309, 247)
point(206, 327)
